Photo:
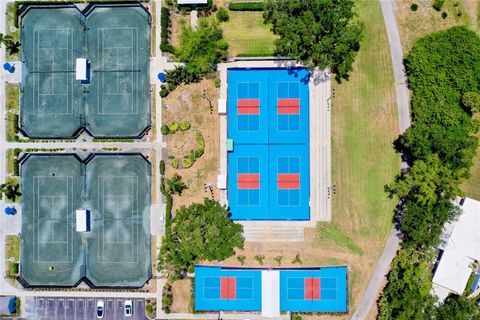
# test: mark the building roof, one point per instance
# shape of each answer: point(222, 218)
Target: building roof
point(460, 249)
point(192, 2)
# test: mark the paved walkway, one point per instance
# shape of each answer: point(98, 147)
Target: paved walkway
point(375, 284)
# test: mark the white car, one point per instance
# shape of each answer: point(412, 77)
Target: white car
point(100, 309)
point(128, 308)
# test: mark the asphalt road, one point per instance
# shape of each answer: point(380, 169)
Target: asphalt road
point(50, 308)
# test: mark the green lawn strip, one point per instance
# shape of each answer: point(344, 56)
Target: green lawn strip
point(247, 35)
point(14, 34)
point(10, 161)
point(332, 232)
point(12, 250)
point(12, 95)
point(364, 125)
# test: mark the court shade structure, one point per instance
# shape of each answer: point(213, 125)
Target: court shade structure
point(268, 122)
point(115, 252)
point(115, 41)
point(271, 291)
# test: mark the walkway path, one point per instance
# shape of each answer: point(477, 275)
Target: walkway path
point(375, 284)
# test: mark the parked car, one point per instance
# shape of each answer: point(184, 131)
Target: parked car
point(100, 309)
point(128, 308)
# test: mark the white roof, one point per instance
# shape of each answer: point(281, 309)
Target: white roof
point(270, 293)
point(192, 1)
point(81, 220)
point(222, 181)
point(222, 106)
point(460, 249)
point(81, 69)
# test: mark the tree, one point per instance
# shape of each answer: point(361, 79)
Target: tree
point(12, 46)
point(203, 48)
point(471, 101)
point(202, 231)
point(425, 183)
point(318, 33)
point(11, 191)
point(175, 185)
point(458, 308)
point(407, 292)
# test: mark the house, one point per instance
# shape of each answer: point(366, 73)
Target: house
point(459, 249)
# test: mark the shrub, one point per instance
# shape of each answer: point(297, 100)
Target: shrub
point(165, 24)
point(414, 7)
point(222, 15)
point(438, 4)
point(297, 259)
point(246, 6)
point(174, 163)
point(199, 139)
point(217, 82)
point(444, 15)
point(241, 259)
point(198, 153)
point(187, 163)
point(184, 125)
point(162, 167)
point(173, 127)
point(259, 258)
point(167, 297)
point(181, 75)
point(165, 130)
point(165, 47)
point(164, 93)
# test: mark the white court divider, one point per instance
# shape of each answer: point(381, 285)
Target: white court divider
point(270, 293)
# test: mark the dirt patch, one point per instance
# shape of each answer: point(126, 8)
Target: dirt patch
point(414, 25)
point(177, 20)
point(196, 103)
point(182, 292)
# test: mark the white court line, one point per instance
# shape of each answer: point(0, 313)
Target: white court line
point(116, 219)
point(133, 76)
point(36, 222)
point(36, 77)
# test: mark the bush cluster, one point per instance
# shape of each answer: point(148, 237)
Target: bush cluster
point(246, 6)
point(173, 127)
point(167, 297)
point(165, 25)
point(222, 14)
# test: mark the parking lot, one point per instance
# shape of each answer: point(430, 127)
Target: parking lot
point(43, 308)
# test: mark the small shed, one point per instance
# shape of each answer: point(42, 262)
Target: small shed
point(82, 218)
point(81, 69)
point(191, 2)
point(222, 181)
point(222, 106)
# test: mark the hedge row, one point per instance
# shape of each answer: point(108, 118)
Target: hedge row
point(246, 6)
point(165, 24)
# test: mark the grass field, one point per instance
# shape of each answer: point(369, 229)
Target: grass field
point(247, 34)
point(12, 94)
point(12, 254)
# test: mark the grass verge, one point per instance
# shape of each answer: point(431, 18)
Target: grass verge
point(12, 254)
point(247, 35)
point(12, 95)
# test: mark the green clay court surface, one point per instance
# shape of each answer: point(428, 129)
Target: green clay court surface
point(116, 102)
point(116, 189)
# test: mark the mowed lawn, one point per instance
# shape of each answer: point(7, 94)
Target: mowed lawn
point(247, 34)
point(364, 125)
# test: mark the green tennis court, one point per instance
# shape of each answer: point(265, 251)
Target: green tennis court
point(114, 101)
point(116, 191)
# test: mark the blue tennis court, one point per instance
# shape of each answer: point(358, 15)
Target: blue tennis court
point(268, 121)
point(227, 289)
point(271, 291)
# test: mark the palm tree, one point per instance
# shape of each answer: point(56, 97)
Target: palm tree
point(11, 191)
point(12, 46)
point(176, 185)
